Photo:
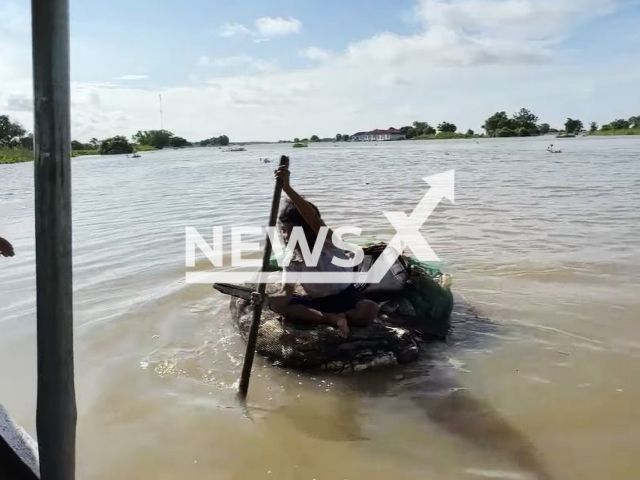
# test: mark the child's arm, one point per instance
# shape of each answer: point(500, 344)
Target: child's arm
point(308, 213)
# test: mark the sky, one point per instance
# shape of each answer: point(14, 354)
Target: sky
point(279, 69)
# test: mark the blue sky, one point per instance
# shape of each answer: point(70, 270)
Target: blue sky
point(269, 70)
point(167, 32)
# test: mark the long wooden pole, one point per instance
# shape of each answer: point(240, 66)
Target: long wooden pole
point(257, 311)
point(56, 410)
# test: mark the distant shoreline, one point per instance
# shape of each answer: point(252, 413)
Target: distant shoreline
point(619, 132)
point(11, 156)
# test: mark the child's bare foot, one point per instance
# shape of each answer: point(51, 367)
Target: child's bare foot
point(342, 324)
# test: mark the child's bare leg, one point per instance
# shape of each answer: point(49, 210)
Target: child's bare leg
point(309, 315)
point(364, 314)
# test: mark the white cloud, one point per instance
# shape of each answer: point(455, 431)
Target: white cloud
point(132, 77)
point(233, 30)
point(278, 26)
point(466, 33)
point(258, 64)
point(522, 19)
point(19, 103)
point(206, 61)
point(471, 58)
point(265, 28)
point(315, 53)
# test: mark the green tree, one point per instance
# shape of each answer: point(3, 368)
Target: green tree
point(76, 145)
point(498, 121)
point(505, 132)
point(620, 124)
point(447, 127)
point(419, 127)
point(635, 121)
point(315, 138)
point(606, 128)
point(525, 119)
point(223, 140)
point(95, 143)
point(9, 130)
point(470, 133)
point(544, 128)
point(296, 140)
point(178, 142)
point(572, 125)
point(115, 145)
point(339, 137)
point(593, 127)
point(155, 138)
point(345, 137)
point(410, 132)
point(141, 137)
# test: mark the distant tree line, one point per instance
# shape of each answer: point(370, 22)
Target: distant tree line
point(573, 126)
point(524, 123)
point(521, 124)
point(13, 135)
point(151, 139)
point(633, 123)
point(159, 139)
point(94, 144)
point(115, 146)
point(315, 138)
point(222, 141)
point(424, 130)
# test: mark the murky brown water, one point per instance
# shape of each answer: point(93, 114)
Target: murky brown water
point(544, 249)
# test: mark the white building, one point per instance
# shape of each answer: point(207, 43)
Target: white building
point(378, 136)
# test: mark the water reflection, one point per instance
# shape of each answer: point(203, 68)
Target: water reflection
point(438, 396)
point(460, 413)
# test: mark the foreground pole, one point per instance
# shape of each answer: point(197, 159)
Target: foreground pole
point(56, 414)
point(252, 339)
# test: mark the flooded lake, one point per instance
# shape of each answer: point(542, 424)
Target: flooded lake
point(539, 378)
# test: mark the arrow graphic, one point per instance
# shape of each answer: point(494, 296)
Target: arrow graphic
point(408, 227)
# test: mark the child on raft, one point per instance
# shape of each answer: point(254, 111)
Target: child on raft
point(339, 305)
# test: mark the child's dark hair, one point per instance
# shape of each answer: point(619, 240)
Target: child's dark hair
point(290, 214)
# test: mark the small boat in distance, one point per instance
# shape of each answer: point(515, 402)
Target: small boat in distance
point(550, 149)
point(135, 155)
point(236, 149)
point(300, 145)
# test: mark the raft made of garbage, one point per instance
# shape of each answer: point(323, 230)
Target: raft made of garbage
point(415, 306)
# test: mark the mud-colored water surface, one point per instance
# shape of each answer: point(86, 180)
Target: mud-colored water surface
point(538, 379)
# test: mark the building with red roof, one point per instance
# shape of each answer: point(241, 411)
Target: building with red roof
point(379, 135)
